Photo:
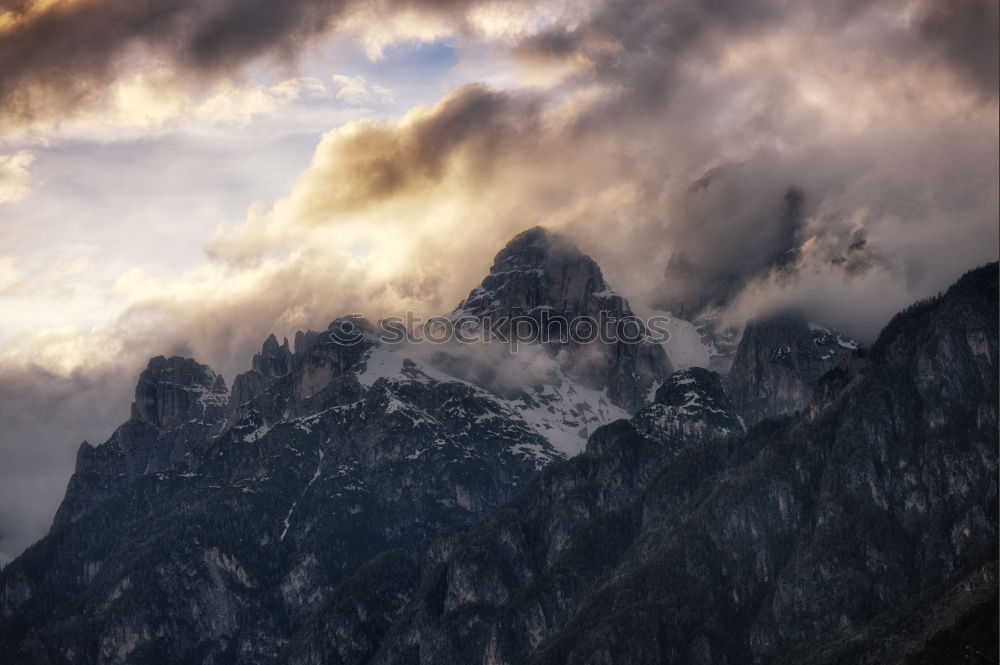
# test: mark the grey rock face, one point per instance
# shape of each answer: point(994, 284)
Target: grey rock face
point(179, 405)
point(540, 276)
point(174, 391)
point(692, 405)
point(496, 592)
point(863, 530)
point(778, 364)
point(351, 460)
point(272, 361)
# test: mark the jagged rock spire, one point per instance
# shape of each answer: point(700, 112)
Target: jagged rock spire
point(273, 360)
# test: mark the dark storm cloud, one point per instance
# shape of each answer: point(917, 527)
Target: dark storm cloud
point(637, 45)
point(58, 56)
point(475, 122)
point(719, 205)
point(965, 33)
point(369, 161)
point(474, 117)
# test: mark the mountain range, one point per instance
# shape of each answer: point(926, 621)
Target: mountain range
point(608, 502)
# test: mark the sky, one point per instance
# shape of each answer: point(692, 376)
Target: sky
point(187, 177)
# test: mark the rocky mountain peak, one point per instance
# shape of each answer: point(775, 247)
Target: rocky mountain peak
point(693, 381)
point(273, 361)
point(691, 403)
point(173, 391)
point(542, 276)
point(541, 270)
point(179, 404)
point(537, 248)
point(778, 364)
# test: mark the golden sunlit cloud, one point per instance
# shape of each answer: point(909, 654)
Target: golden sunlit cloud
point(406, 213)
point(155, 101)
point(15, 177)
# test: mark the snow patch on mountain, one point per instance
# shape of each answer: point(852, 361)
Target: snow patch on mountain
point(823, 336)
point(687, 346)
point(566, 413)
point(561, 410)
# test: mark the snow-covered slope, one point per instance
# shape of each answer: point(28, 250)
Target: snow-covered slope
point(688, 346)
point(554, 406)
point(699, 343)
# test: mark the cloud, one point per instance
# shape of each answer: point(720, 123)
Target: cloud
point(965, 34)
point(712, 138)
point(57, 58)
point(379, 188)
point(235, 105)
point(10, 274)
point(155, 101)
point(15, 178)
point(356, 91)
point(855, 107)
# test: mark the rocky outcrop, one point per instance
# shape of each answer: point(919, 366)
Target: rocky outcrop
point(495, 593)
point(272, 361)
point(179, 405)
point(172, 392)
point(691, 405)
point(540, 278)
point(778, 364)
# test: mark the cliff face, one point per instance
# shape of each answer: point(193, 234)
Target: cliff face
point(272, 361)
point(865, 524)
point(778, 364)
point(179, 404)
